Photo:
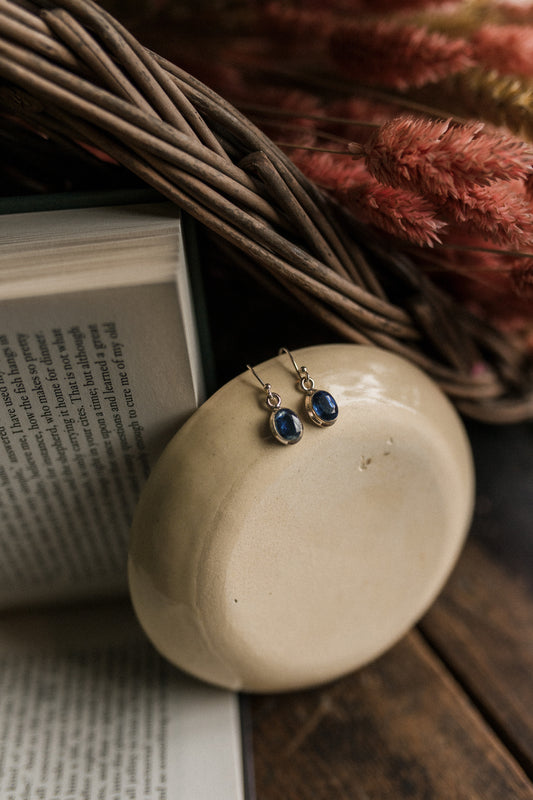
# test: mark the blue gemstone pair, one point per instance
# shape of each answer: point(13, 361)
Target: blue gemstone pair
point(285, 424)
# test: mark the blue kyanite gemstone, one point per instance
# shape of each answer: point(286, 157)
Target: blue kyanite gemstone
point(324, 406)
point(288, 425)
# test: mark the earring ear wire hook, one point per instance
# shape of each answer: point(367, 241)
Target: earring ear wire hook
point(285, 424)
point(320, 406)
point(284, 350)
point(273, 399)
point(252, 370)
point(307, 384)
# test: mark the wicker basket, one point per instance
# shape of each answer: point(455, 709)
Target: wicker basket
point(70, 71)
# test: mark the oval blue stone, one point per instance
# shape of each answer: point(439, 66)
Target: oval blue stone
point(288, 425)
point(324, 406)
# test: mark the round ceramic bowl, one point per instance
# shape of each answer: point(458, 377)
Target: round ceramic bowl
point(264, 567)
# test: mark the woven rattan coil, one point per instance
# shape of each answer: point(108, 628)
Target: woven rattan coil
point(70, 70)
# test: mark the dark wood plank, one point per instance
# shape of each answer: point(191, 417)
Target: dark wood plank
point(400, 728)
point(482, 625)
point(503, 520)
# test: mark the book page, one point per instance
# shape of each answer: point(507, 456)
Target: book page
point(97, 373)
point(89, 711)
point(47, 252)
point(92, 386)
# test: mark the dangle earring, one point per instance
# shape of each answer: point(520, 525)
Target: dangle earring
point(285, 424)
point(321, 406)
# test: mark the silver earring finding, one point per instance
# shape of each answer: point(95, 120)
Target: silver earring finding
point(320, 406)
point(285, 424)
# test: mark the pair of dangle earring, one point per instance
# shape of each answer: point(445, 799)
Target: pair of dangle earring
point(285, 424)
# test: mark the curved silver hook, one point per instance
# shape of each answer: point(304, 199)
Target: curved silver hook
point(272, 399)
point(296, 367)
point(252, 370)
point(307, 384)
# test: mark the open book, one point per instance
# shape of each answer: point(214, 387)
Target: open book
point(100, 363)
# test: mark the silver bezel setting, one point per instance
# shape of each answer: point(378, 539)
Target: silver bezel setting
point(275, 432)
point(311, 413)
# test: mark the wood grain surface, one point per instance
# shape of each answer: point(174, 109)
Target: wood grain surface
point(482, 625)
point(402, 727)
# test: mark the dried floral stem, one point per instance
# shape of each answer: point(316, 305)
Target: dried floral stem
point(464, 18)
point(465, 248)
point(340, 85)
point(323, 118)
point(504, 100)
point(306, 137)
point(281, 125)
point(312, 149)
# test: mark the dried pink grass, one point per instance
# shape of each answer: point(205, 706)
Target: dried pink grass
point(493, 285)
point(309, 24)
point(517, 13)
point(333, 172)
point(400, 56)
point(497, 212)
point(419, 180)
point(521, 279)
point(396, 211)
point(506, 48)
point(443, 158)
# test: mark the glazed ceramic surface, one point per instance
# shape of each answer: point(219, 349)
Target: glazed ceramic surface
point(265, 567)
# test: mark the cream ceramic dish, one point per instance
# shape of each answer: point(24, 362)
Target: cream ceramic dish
point(265, 567)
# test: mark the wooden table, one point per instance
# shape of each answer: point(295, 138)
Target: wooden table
point(448, 713)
